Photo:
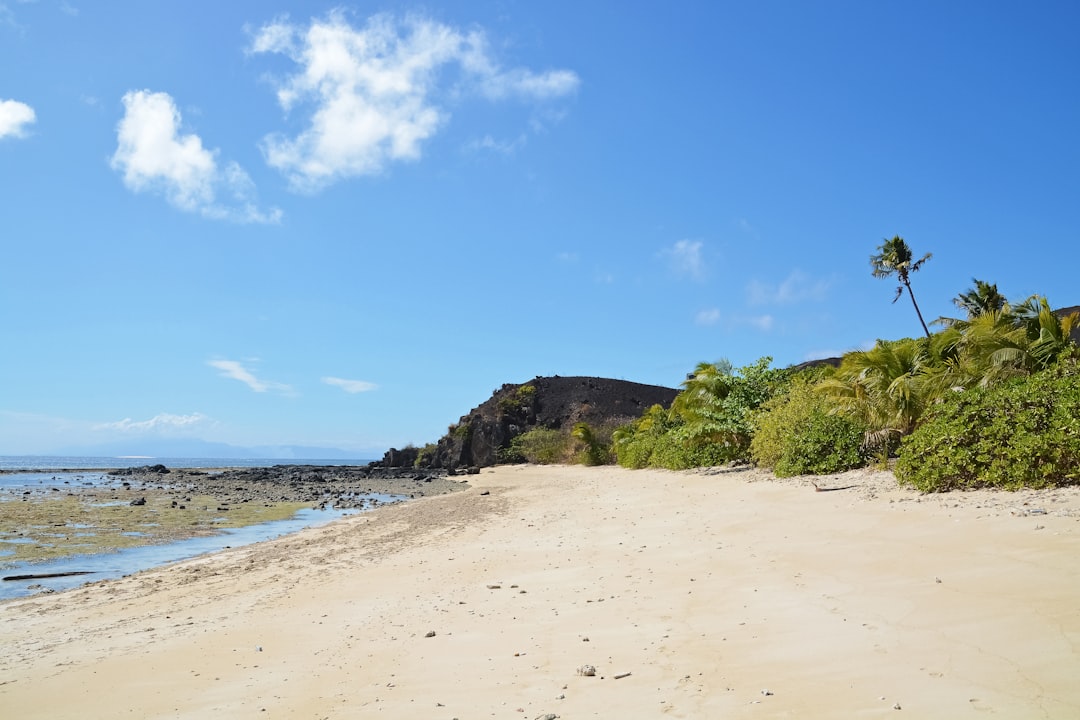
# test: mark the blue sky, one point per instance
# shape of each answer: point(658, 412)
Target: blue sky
point(272, 223)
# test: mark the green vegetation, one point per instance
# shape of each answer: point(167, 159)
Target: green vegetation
point(424, 454)
point(543, 446)
point(462, 431)
point(992, 399)
point(594, 451)
point(518, 401)
point(1021, 433)
point(582, 445)
point(708, 424)
point(798, 433)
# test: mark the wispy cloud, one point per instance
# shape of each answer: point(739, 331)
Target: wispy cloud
point(371, 91)
point(685, 259)
point(154, 155)
point(161, 422)
point(795, 288)
point(731, 321)
point(236, 371)
point(350, 386)
point(711, 316)
point(15, 117)
point(498, 147)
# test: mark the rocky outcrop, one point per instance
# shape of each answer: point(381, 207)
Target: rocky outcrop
point(545, 402)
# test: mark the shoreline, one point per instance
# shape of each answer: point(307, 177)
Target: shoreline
point(69, 514)
point(709, 588)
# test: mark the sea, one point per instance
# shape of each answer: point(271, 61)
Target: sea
point(35, 472)
point(32, 463)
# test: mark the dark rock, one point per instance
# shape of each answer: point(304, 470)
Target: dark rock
point(142, 470)
point(138, 501)
point(480, 438)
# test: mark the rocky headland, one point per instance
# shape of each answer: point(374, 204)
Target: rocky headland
point(556, 403)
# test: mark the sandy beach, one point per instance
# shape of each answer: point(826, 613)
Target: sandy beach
point(709, 594)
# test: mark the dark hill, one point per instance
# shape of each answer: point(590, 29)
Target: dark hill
point(545, 402)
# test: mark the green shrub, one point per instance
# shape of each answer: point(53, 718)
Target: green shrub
point(797, 434)
point(714, 409)
point(592, 449)
point(518, 400)
point(635, 444)
point(1023, 433)
point(424, 455)
point(542, 446)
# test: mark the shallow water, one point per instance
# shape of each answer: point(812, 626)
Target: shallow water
point(108, 566)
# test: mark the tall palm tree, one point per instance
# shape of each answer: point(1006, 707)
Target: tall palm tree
point(894, 258)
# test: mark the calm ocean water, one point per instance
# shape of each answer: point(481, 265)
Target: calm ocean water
point(50, 462)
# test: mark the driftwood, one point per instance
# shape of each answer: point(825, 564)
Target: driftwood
point(43, 576)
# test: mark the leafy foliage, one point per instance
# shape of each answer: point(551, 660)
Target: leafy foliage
point(636, 443)
point(883, 387)
point(1022, 433)
point(519, 400)
point(798, 434)
point(542, 446)
point(709, 421)
point(594, 451)
point(983, 298)
point(423, 456)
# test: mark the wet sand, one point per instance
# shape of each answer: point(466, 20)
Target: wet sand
point(698, 594)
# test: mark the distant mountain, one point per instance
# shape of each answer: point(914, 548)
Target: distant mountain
point(194, 448)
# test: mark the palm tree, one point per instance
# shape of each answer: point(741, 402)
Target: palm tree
point(982, 298)
point(999, 344)
point(978, 300)
point(884, 387)
point(894, 258)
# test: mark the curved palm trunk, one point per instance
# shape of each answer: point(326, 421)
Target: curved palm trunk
point(917, 311)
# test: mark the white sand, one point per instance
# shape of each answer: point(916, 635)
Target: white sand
point(710, 589)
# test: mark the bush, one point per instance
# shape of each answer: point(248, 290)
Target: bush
point(591, 447)
point(542, 446)
point(1024, 433)
point(796, 434)
point(518, 401)
point(636, 443)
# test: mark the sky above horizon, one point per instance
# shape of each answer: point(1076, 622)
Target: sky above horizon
point(345, 225)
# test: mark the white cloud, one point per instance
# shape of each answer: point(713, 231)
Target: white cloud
point(797, 287)
point(708, 317)
point(350, 386)
point(369, 91)
point(684, 258)
point(236, 371)
point(163, 421)
point(500, 147)
point(714, 316)
point(154, 156)
point(14, 117)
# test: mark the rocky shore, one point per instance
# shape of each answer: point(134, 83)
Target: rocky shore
point(341, 487)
